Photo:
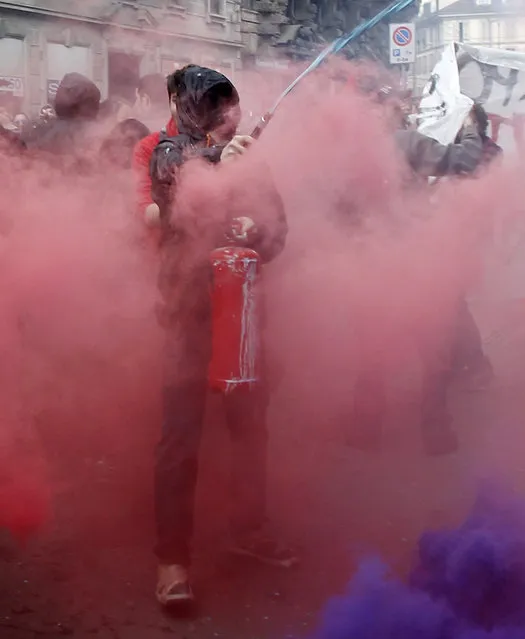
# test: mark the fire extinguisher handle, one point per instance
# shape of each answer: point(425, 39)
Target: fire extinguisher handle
point(262, 124)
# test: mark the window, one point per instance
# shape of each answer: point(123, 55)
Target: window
point(511, 30)
point(485, 31)
point(449, 30)
point(12, 56)
point(217, 7)
point(62, 60)
point(12, 67)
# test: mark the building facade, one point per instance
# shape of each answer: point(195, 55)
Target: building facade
point(114, 42)
point(488, 23)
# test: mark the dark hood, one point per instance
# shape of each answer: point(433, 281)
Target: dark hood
point(77, 97)
point(202, 96)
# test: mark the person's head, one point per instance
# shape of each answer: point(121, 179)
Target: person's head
point(205, 102)
point(481, 119)
point(77, 97)
point(118, 147)
point(20, 121)
point(47, 113)
point(151, 93)
point(478, 116)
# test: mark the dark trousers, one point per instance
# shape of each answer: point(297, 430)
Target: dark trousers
point(468, 346)
point(436, 348)
point(184, 397)
point(370, 399)
point(442, 352)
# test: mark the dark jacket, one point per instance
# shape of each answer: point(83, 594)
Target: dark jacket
point(491, 150)
point(76, 105)
point(10, 143)
point(197, 115)
point(427, 157)
point(188, 236)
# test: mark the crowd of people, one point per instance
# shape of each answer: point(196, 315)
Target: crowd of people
point(201, 111)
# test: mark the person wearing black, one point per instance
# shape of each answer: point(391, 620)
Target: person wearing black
point(425, 158)
point(471, 365)
point(66, 139)
point(207, 113)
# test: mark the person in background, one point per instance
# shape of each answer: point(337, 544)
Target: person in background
point(46, 114)
point(66, 139)
point(6, 121)
point(108, 111)
point(491, 150)
point(118, 147)
point(10, 143)
point(21, 122)
point(471, 365)
point(425, 157)
point(208, 112)
point(36, 128)
point(429, 158)
point(151, 105)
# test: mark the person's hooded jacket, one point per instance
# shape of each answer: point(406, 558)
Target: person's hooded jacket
point(202, 98)
point(197, 98)
point(77, 103)
point(427, 157)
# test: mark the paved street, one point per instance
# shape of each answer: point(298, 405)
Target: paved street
point(91, 573)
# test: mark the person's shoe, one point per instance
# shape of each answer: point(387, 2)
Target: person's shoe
point(173, 587)
point(264, 548)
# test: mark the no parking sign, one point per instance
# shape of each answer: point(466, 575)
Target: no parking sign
point(402, 43)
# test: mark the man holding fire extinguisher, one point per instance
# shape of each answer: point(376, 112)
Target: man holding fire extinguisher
point(208, 113)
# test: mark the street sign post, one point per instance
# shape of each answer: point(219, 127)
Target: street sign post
point(402, 43)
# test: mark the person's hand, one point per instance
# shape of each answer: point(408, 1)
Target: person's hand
point(152, 214)
point(470, 120)
point(236, 147)
point(243, 229)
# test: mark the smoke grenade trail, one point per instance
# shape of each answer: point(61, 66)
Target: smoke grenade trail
point(468, 583)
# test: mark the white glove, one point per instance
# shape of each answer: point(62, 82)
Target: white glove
point(152, 214)
point(243, 229)
point(236, 147)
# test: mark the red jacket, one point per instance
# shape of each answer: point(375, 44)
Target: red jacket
point(141, 161)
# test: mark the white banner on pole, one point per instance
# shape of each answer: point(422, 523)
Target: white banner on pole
point(465, 74)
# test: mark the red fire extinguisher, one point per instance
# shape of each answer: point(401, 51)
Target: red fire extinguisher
point(235, 313)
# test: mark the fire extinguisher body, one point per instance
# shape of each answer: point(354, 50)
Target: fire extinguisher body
point(235, 319)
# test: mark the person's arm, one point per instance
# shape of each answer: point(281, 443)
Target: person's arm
point(166, 161)
point(427, 157)
point(266, 231)
point(270, 238)
point(141, 161)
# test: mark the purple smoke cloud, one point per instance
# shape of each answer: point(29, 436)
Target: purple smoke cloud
point(467, 583)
